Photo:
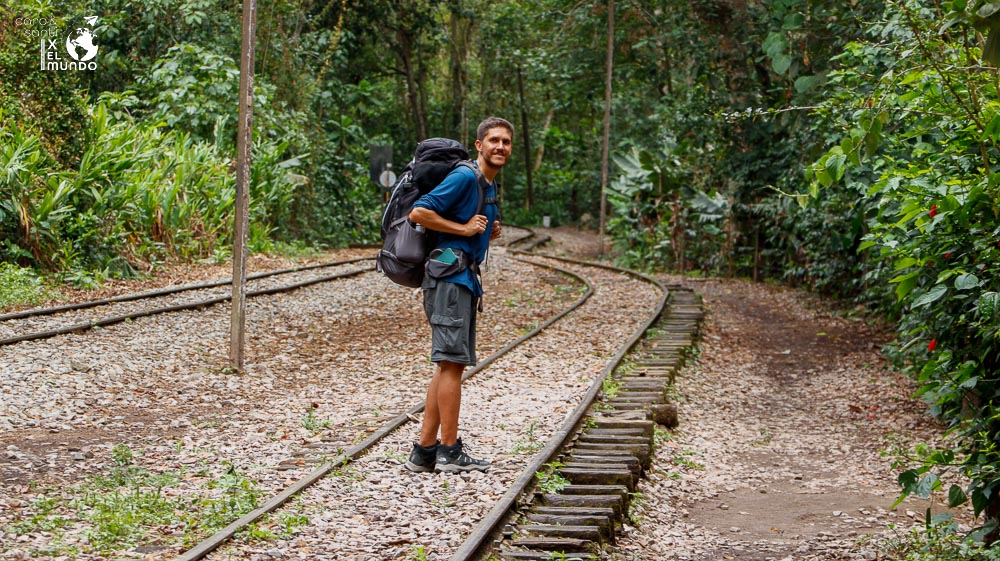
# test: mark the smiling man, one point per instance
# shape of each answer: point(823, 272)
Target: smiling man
point(452, 291)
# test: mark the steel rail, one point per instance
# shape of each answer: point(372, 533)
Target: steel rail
point(168, 291)
point(479, 539)
point(75, 328)
point(220, 537)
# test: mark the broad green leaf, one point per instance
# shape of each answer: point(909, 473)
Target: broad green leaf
point(793, 22)
point(979, 501)
point(824, 177)
point(911, 77)
point(781, 63)
point(775, 44)
point(906, 284)
point(932, 295)
point(873, 136)
point(988, 9)
point(970, 383)
point(805, 83)
point(967, 281)
point(948, 24)
point(835, 166)
point(908, 480)
point(945, 275)
point(991, 52)
point(927, 484)
point(992, 129)
point(988, 304)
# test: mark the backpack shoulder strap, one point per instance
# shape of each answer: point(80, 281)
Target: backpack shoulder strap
point(481, 183)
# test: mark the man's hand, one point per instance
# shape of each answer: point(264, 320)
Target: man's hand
point(476, 225)
point(496, 230)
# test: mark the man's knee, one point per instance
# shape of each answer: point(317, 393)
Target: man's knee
point(449, 368)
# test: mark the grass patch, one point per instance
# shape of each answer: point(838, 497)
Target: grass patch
point(312, 422)
point(550, 480)
point(129, 505)
point(22, 287)
point(938, 540)
point(530, 443)
point(610, 388)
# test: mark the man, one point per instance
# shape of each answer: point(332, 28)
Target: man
point(451, 302)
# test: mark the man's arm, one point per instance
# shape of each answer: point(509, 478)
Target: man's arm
point(434, 221)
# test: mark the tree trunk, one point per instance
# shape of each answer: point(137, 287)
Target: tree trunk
point(541, 145)
point(412, 85)
point(677, 233)
point(607, 122)
point(529, 198)
point(461, 33)
point(991, 514)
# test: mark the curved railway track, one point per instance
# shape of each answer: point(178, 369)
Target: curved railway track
point(200, 295)
point(31, 327)
point(516, 482)
point(559, 381)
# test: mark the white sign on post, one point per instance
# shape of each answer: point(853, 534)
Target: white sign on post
point(388, 178)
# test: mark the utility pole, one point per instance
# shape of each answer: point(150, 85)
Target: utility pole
point(607, 122)
point(244, 144)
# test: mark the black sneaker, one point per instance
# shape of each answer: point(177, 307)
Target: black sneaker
point(453, 459)
point(422, 458)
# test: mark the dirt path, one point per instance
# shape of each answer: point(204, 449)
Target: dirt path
point(784, 418)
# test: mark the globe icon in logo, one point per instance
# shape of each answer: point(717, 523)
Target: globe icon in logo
point(80, 44)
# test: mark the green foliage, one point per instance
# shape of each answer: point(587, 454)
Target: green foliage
point(45, 105)
point(194, 90)
point(130, 505)
point(139, 195)
point(312, 423)
point(938, 540)
point(530, 443)
point(550, 480)
point(650, 216)
point(21, 287)
point(417, 553)
point(922, 135)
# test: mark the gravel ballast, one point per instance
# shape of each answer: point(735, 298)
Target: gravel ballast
point(344, 356)
point(786, 412)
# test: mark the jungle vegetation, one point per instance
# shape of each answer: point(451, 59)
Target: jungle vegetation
point(844, 147)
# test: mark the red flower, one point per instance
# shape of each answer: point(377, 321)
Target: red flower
point(947, 256)
point(933, 211)
point(932, 345)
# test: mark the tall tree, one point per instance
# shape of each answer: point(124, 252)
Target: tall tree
point(607, 119)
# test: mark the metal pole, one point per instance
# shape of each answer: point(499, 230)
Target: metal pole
point(607, 123)
point(242, 202)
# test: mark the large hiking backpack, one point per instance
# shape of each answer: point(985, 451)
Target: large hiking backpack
point(405, 245)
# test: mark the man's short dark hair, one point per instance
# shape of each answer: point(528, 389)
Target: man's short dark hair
point(492, 123)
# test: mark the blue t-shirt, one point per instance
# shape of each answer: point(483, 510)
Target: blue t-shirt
point(457, 199)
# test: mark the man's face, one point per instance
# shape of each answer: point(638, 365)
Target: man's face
point(495, 146)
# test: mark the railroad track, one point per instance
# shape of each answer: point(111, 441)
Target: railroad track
point(603, 461)
point(377, 438)
point(32, 325)
point(42, 323)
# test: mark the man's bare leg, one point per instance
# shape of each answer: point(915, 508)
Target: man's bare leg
point(444, 402)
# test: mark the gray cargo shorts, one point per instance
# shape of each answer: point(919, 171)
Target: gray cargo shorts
point(451, 311)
